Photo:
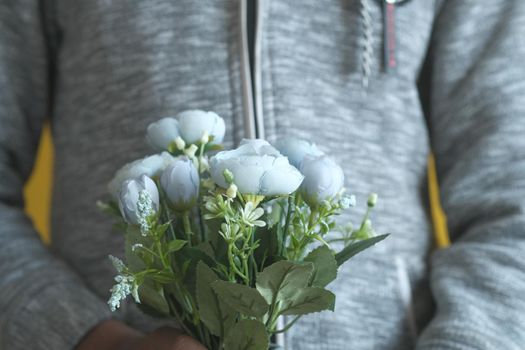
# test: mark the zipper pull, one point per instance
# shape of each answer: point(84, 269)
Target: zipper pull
point(389, 34)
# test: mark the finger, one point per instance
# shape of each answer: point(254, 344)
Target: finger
point(173, 339)
point(185, 342)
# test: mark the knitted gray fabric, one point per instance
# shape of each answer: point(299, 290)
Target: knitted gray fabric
point(105, 69)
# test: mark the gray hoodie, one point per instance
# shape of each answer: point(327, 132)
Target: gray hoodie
point(102, 70)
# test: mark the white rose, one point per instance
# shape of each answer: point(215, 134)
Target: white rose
point(323, 179)
point(257, 168)
point(194, 124)
point(162, 133)
point(180, 182)
point(296, 149)
point(151, 166)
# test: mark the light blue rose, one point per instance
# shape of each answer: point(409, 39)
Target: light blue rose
point(134, 207)
point(180, 182)
point(257, 168)
point(194, 124)
point(296, 149)
point(323, 179)
point(151, 166)
point(162, 133)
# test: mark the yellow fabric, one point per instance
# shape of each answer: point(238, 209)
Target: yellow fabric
point(439, 219)
point(38, 193)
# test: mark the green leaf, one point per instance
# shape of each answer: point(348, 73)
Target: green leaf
point(282, 279)
point(152, 295)
point(325, 266)
point(267, 245)
point(161, 229)
point(219, 246)
point(110, 207)
point(209, 309)
point(187, 259)
point(247, 335)
point(176, 245)
point(196, 254)
point(206, 248)
point(308, 300)
point(357, 247)
point(241, 298)
point(213, 226)
point(215, 315)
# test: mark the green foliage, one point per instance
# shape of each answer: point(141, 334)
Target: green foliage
point(308, 300)
point(281, 280)
point(246, 300)
point(152, 295)
point(176, 245)
point(247, 335)
point(185, 262)
point(215, 315)
point(325, 266)
point(357, 247)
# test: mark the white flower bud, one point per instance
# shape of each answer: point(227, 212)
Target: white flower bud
point(190, 151)
point(347, 202)
point(205, 138)
point(326, 205)
point(323, 179)
point(372, 200)
point(179, 142)
point(228, 176)
point(205, 165)
point(133, 207)
point(137, 246)
point(180, 182)
point(208, 183)
point(231, 192)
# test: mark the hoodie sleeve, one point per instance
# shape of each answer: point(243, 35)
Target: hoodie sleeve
point(43, 304)
point(477, 127)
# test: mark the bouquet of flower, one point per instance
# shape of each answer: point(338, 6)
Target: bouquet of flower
point(228, 244)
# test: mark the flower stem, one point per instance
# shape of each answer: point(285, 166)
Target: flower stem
point(187, 228)
point(289, 325)
point(233, 268)
point(173, 309)
point(201, 152)
point(290, 210)
point(308, 236)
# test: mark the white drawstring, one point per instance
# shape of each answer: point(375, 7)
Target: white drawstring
point(405, 294)
point(368, 49)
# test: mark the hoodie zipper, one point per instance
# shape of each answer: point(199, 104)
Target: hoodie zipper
point(251, 76)
point(252, 92)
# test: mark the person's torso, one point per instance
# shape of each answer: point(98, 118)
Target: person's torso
point(123, 64)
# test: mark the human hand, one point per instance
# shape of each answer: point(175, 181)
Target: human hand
point(115, 335)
